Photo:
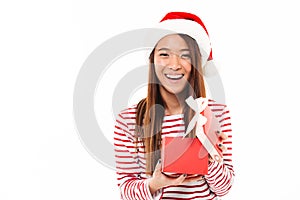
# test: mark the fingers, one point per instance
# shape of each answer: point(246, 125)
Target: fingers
point(222, 147)
point(180, 179)
point(222, 135)
point(216, 158)
point(193, 179)
point(158, 165)
point(158, 168)
point(183, 179)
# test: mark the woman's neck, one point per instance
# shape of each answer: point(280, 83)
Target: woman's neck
point(174, 103)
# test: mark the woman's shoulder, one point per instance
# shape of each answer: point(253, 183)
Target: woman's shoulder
point(215, 104)
point(132, 109)
point(128, 113)
point(218, 108)
point(129, 109)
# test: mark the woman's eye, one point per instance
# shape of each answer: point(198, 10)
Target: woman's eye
point(163, 54)
point(186, 56)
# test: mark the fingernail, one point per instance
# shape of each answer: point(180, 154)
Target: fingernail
point(159, 161)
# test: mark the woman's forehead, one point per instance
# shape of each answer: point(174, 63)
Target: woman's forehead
point(172, 42)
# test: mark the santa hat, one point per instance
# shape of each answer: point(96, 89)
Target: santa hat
point(192, 25)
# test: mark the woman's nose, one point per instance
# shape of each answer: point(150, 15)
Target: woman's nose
point(174, 62)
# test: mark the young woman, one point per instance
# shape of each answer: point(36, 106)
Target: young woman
point(175, 73)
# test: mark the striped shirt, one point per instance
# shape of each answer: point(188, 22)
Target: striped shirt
point(131, 162)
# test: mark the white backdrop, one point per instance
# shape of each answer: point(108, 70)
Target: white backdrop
point(43, 45)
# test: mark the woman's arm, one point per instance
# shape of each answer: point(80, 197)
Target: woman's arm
point(220, 175)
point(128, 167)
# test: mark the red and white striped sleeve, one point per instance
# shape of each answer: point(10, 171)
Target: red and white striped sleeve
point(130, 182)
point(221, 175)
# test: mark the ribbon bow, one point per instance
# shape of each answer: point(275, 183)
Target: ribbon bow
point(198, 105)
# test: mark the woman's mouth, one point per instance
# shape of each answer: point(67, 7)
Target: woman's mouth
point(174, 76)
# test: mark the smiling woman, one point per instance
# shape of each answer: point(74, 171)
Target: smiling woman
point(175, 73)
point(172, 61)
point(173, 58)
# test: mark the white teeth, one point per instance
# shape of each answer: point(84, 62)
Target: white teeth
point(174, 76)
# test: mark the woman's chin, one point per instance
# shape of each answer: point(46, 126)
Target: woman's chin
point(175, 91)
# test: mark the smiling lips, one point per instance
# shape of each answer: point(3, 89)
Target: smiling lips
point(174, 76)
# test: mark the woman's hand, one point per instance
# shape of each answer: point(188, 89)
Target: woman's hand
point(160, 180)
point(223, 137)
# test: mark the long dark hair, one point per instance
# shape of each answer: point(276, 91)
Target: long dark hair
point(149, 116)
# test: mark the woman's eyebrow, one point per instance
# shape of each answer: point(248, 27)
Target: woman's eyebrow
point(164, 49)
point(167, 49)
point(184, 50)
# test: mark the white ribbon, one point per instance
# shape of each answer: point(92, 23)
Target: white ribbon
point(198, 105)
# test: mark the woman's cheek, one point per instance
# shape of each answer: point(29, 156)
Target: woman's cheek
point(160, 62)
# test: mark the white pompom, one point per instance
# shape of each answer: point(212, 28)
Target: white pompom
point(210, 69)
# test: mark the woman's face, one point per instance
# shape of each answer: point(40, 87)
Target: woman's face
point(172, 61)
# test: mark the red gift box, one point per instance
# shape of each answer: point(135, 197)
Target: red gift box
point(187, 155)
point(183, 155)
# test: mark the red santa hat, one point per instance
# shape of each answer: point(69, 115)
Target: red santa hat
point(192, 25)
